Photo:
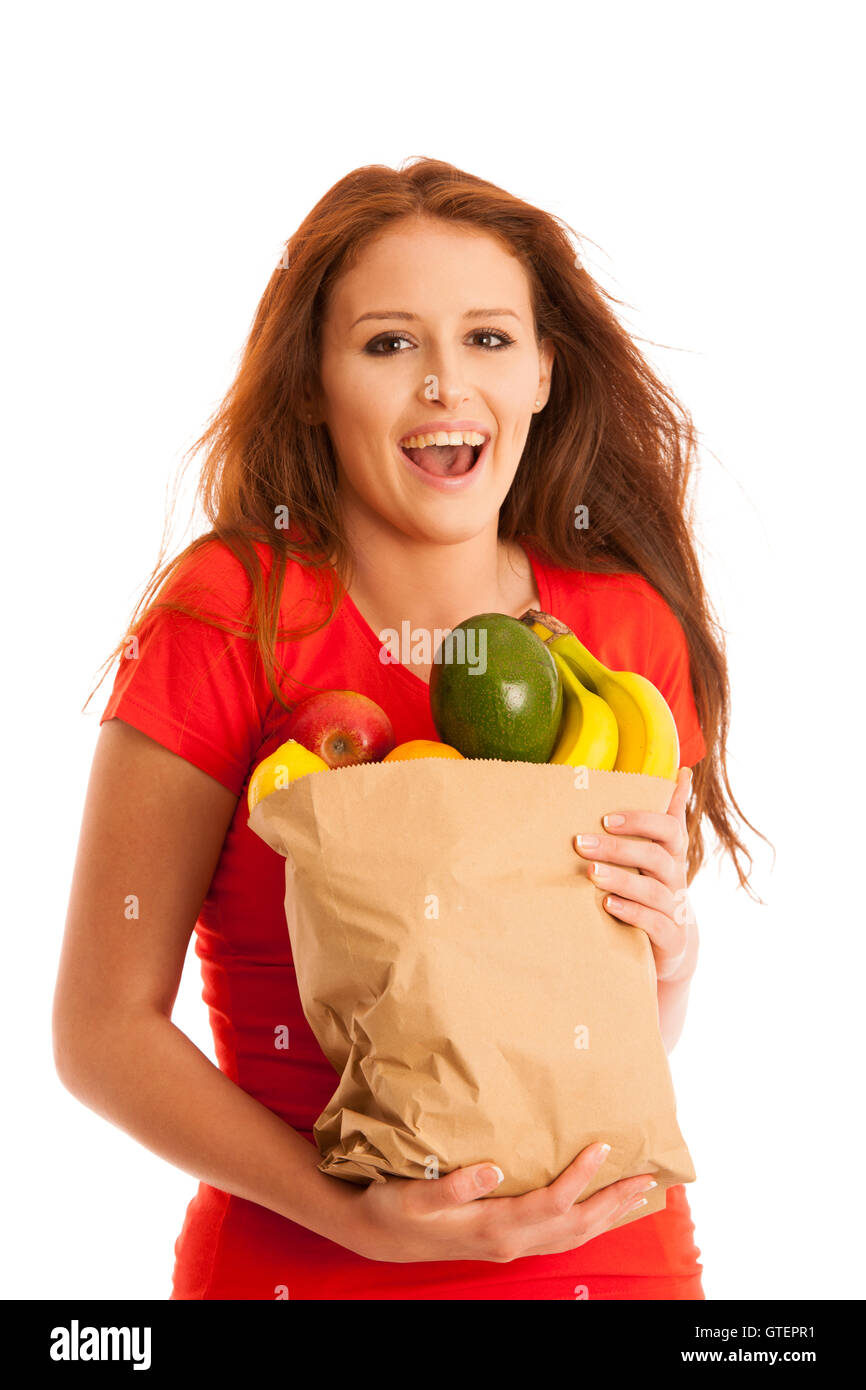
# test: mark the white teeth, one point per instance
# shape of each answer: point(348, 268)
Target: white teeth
point(419, 441)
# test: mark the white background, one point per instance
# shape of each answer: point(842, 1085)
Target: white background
point(157, 160)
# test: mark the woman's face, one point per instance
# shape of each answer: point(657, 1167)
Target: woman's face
point(432, 329)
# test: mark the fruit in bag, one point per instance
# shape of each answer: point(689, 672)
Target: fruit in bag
point(290, 761)
point(495, 691)
point(647, 733)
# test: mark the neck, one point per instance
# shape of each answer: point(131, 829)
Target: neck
point(434, 584)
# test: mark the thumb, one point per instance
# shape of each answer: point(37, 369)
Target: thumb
point(462, 1186)
point(679, 800)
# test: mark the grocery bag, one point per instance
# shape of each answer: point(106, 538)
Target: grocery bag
point(460, 973)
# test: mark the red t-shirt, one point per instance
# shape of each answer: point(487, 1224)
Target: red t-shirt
point(202, 693)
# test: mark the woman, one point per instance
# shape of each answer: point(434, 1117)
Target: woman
point(408, 302)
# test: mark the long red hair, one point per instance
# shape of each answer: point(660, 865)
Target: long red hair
point(612, 437)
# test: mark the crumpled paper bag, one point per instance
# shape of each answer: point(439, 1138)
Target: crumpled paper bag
point(457, 967)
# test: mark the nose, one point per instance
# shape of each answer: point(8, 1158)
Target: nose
point(450, 397)
point(443, 381)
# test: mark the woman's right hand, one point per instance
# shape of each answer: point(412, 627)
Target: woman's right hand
point(407, 1219)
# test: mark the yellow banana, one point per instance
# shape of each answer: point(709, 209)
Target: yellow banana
point(588, 736)
point(648, 739)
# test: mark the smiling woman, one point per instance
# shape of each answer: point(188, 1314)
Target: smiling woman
point(372, 468)
point(443, 380)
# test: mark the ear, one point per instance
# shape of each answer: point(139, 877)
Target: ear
point(546, 358)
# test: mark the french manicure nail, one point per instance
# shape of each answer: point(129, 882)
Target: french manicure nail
point(485, 1174)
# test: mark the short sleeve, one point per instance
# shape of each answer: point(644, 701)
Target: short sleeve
point(669, 670)
point(196, 689)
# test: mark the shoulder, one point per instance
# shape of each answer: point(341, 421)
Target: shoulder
point(622, 611)
point(218, 578)
point(619, 588)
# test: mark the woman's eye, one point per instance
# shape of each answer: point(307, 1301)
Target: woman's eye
point(380, 342)
point(377, 347)
point(504, 340)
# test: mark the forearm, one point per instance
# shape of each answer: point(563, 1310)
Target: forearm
point(673, 994)
point(149, 1079)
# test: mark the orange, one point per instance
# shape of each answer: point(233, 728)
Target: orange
point(421, 748)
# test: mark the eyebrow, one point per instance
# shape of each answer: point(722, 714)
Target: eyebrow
point(402, 314)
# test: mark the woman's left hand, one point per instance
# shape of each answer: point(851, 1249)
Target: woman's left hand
point(655, 899)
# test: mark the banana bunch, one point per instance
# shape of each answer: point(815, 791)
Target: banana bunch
point(612, 720)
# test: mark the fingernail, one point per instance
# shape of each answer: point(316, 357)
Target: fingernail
point(647, 1187)
point(587, 841)
point(642, 1202)
point(604, 1151)
point(485, 1176)
point(599, 871)
point(613, 820)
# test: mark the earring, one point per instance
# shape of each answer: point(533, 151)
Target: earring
point(538, 402)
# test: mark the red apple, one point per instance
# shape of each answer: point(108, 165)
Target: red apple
point(342, 727)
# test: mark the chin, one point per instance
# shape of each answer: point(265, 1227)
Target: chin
point(455, 531)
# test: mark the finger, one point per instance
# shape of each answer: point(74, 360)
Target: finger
point(667, 830)
point(664, 934)
point(642, 889)
point(647, 855)
point(457, 1188)
point(608, 1203)
point(595, 1215)
point(540, 1203)
point(563, 1192)
point(680, 798)
point(602, 1205)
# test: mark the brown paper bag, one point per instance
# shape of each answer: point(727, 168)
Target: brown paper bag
point(460, 973)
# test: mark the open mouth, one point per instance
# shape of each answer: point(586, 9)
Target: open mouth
point(445, 460)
